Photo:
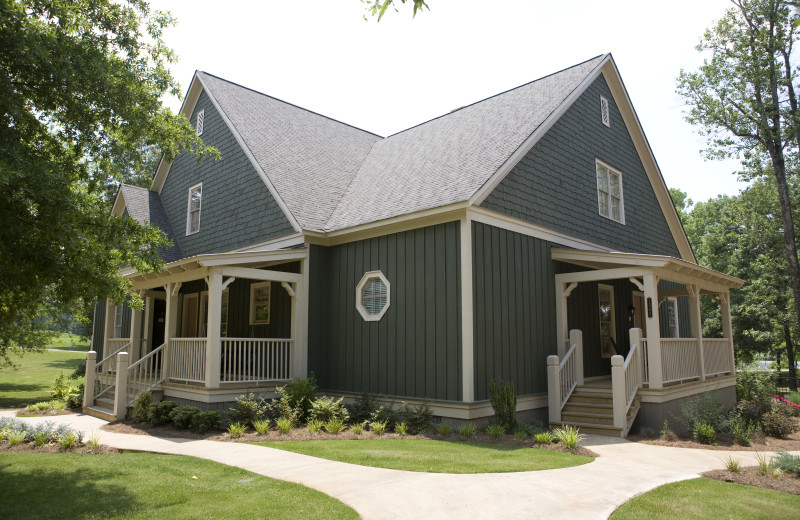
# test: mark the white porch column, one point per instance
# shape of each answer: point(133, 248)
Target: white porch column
point(619, 400)
point(171, 325)
point(553, 389)
point(214, 324)
point(696, 319)
point(576, 338)
point(563, 290)
point(301, 335)
point(136, 334)
point(121, 391)
point(89, 382)
point(467, 323)
point(655, 373)
point(148, 325)
point(727, 327)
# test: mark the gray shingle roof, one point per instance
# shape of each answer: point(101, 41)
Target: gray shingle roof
point(145, 207)
point(333, 176)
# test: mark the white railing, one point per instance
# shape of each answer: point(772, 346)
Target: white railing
point(633, 374)
point(146, 373)
point(718, 356)
point(626, 379)
point(564, 376)
point(679, 359)
point(253, 360)
point(106, 369)
point(645, 365)
point(568, 375)
point(187, 359)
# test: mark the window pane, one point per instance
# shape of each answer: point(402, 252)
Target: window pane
point(602, 198)
point(195, 198)
point(195, 222)
point(374, 296)
point(602, 178)
point(615, 209)
point(613, 180)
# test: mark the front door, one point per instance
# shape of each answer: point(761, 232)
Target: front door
point(159, 321)
point(608, 327)
point(638, 312)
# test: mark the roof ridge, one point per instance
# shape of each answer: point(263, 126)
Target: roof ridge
point(290, 104)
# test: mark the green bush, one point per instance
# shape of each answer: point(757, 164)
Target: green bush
point(787, 462)
point(467, 430)
point(357, 428)
point(445, 429)
point(752, 410)
point(755, 385)
point(204, 422)
point(743, 430)
point(401, 428)
point(704, 409)
point(67, 441)
point(183, 416)
point(326, 408)
point(361, 409)
point(284, 424)
point(159, 412)
point(67, 391)
point(379, 428)
point(236, 430)
point(281, 407)
point(544, 438)
point(495, 430)
point(334, 426)
point(248, 409)
point(385, 415)
point(778, 422)
point(314, 426)
point(504, 404)
point(569, 436)
point(75, 399)
point(141, 407)
point(300, 394)
point(15, 437)
point(704, 432)
point(419, 418)
point(262, 426)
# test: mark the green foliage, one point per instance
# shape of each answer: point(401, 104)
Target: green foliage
point(704, 432)
point(401, 428)
point(778, 422)
point(283, 407)
point(755, 385)
point(183, 416)
point(40, 438)
point(732, 465)
point(742, 430)
point(159, 412)
point(314, 426)
point(385, 415)
point(379, 7)
point(419, 418)
point(326, 408)
point(300, 393)
point(15, 437)
point(544, 438)
point(379, 428)
point(67, 441)
point(787, 462)
point(495, 430)
point(94, 441)
point(569, 436)
point(752, 411)
point(284, 424)
point(763, 465)
point(521, 435)
point(357, 428)
point(445, 429)
point(141, 407)
point(334, 426)
point(704, 409)
point(362, 408)
point(666, 433)
point(52, 407)
point(504, 404)
point(261, 426)
point(248, 409)
point(64, 388)
point(236, 430)
point(205, 422)
point(466, 430)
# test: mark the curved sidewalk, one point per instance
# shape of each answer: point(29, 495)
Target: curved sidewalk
point(623, 470)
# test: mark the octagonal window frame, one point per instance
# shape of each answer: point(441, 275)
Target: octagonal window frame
point(370, 275)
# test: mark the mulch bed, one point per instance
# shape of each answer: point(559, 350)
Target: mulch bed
point(23, 412)
point(27, 447)
point(749, 476)
point(302, 434)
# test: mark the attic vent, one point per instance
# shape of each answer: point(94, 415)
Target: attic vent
point(604, 112)
point(198, 127)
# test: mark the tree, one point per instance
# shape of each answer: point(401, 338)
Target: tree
point(80, 89)
point(378, 7)
point(743, 97)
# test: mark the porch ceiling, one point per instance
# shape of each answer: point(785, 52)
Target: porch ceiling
point(666, 267)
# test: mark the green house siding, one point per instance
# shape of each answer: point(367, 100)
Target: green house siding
point(237, 208)
point(555, 185)
point(415, 349)
point(514, 309)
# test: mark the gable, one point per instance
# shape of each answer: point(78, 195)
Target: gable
point(554, 185)
point(237, 208)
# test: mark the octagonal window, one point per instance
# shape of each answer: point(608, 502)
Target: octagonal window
point(372, 296)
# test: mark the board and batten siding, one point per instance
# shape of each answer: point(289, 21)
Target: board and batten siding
point(514, 309)
point(555, 184)
point(237, 208)
point(414, 351)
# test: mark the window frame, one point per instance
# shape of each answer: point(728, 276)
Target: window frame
point(253, 288)
point(370, 275)
point(612, 329)
point(672, 303)
point(611, 170)
point(223, 318)
point(189, 209)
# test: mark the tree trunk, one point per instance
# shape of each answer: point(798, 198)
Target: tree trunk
point(787, 336)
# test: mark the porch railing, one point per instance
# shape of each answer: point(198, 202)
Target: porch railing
point(626, 378)
point(680, 359)
point(253, 360)
point(106, 369)
point(187, 359)
point(718, 356)
point(146, 373)
point(564, 375)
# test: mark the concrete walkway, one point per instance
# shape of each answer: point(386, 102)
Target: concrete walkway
point(592, 491)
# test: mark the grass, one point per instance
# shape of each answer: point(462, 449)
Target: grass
point(433, 456)
point(30, 382)
point(705, 498)
point(147, 485)
point(66, 341)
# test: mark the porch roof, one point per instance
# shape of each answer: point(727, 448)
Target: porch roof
point(666, 267)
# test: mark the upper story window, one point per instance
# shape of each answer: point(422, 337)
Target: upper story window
point(609, 193)
point(193, 209)
point(198, 124)
point(372, 296)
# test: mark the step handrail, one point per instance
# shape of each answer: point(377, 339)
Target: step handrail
point(142, 376)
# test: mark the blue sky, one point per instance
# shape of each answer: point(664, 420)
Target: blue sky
point(385, 77)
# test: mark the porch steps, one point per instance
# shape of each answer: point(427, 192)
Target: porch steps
point(100, 413)
point(103, 407)
point(590, 408)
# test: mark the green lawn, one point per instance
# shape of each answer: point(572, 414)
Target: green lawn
point(705, 498)
point(147, 485)
point(433, 456)
point(66, 341)
point(30, 382)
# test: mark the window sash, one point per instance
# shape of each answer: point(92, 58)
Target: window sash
point(193, 209)
point(609, 193)
point(260, 298)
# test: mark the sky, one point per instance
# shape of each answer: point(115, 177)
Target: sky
point(385, 77)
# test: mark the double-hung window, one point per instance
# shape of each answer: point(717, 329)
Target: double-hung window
point(673, 326)
point(193, 209)
point(260, 297)
point(609, 192)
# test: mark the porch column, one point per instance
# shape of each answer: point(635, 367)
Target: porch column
point(563, 290)
point(297, 357)
point(727, 328)
point(136, 334)
point(171, 325)
point(148, 325)
point(695, 318)
point(108, 331)
point(655, 374)
point(214, 324)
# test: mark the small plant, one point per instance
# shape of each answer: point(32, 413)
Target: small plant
point(401, 428)
point(445, 429)
point(300, 393)
point(236, 430)
point(314, 426)
point(362, 408)
point(158, 413)
point(732, 465)
point(665, 431)
point(504, 404)
point(183, 416)
point(569, 436)
point(704, 433)
point(204, 422)
point(544, 438)
point(67, 441)
point(778, 423)
point(704, 409)
point(419, 418)
point(261, 426)
point(786, 462)
point(62, 388)
point(467, 430)
point(94, 441)
point(649, 432)
point(776, 473)
point(52, 407)
point(334, 426)
point(357, 428)
point(40, 439)
point(379, 428)
point(521, 435)
point(326, 408)
point(742, 430)
point(763, 465)
point(141, 407)
point(384, 414)
point(15, 437)
point(495, 430)
point(248, 409)
point(284, 425)
point(755, 385)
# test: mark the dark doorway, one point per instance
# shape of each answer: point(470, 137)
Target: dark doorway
point(159, 320)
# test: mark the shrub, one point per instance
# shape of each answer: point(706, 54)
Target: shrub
point(521, 435)
point(261, 426)
point(704, 433)
point(15, 437)
point(385, 415)
point(569, 436)
point(80, 371)
point(401, 428)
point(236, 430)
point(334, 426)
point(158, 413)
point(778, 423)
point(755, 385)
point(67, 441)
point(183, 416)
point(248, 409)
point(300, 394)
point(527, 429)
point(504, 404)
point(204, 422)
point(141, 407)
point(495, 430)
point(314, 426)
point(732, 465)
point(794, 398)
point(284, 424)
point(40, 438)
point(419, 418)
point(357, 428)
point(785, 461)
point(467, 430)
point(282, 407)
point(362, 408)
point(743, 430)
point(63, 388)
point(445, 429)
point(704, 409)
point(752, 410)
point(52, 407)
point(378, 427)
point(326, 408)
point(75, 400)
point(544, 438)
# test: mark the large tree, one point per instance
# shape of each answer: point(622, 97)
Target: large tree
point(744, 99)
point(81, 83)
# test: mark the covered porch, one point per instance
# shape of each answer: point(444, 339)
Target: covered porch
point(650, 348)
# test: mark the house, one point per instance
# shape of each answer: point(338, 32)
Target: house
point(528, 237)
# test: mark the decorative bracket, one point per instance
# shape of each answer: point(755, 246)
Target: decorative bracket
point(289, 289)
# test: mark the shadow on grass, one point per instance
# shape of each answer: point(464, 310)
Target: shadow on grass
point(59, 493)
point(64, 364)
point(8, 399)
